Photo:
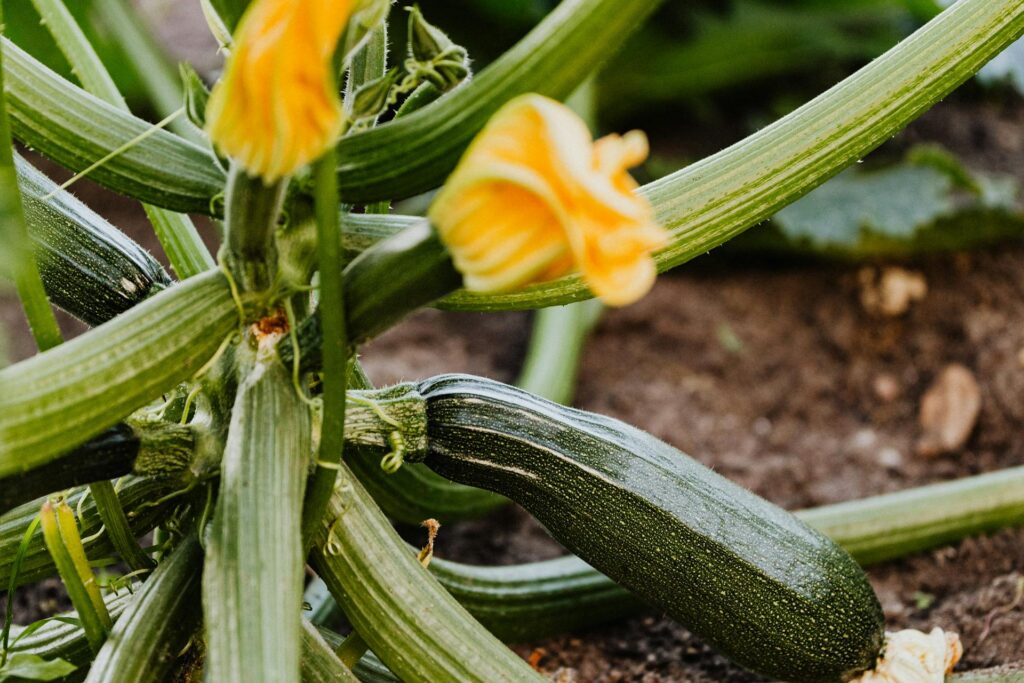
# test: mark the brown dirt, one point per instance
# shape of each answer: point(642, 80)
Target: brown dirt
point(793, 413)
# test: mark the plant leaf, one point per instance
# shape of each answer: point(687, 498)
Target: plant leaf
point(894, 203)
point(35, 668)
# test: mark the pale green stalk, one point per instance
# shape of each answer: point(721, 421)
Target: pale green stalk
point(16, 242)
point(252, 581)
point(713, 200)
point(179, 237)
point(335, 353)
point(63, 397)
point(159, 77)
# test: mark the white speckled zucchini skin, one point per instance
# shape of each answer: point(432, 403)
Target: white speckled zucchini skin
point(762, 587)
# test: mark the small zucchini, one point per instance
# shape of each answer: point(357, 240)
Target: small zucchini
point(89, 268)
point(758, 584)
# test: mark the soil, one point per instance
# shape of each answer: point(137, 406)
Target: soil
point(775, 375)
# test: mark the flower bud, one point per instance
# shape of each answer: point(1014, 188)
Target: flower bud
point(373, 97)
point(196, 94)
point(433, 57)
point(534, 198)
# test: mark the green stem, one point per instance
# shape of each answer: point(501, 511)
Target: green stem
point(553, 356)
point(85, 63)
point(61, 398)
point(713, 200)
point(251, 215)
point(77, 129)
point(164, 614)
point(415, 153)
point(896, 524)
point(116, 523)
point(15, 235)
point(176, 232)
point(410, 622)
point(335, 353)
point(158, 76)
point(252, 581)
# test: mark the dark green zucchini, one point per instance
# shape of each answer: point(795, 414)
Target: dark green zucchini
point(107, 456)
point(762, 587)
point(89, 268)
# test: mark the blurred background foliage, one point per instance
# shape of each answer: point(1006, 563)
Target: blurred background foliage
point(703, 74)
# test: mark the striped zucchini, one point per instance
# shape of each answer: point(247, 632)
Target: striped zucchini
point(90, 268)
point(252, 582)
point(765, 589)
point(541, 599)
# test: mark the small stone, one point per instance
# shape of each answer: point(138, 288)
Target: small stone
point(949, 411)
point(890, 292)
point(863, 439)
point(565, 675)
point(886, 387)
point(762, 426)
point(890, 457)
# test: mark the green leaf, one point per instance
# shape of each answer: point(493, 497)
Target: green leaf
point(895, 202)
point(35, 668)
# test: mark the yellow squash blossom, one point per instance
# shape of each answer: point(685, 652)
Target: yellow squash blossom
point(535, 198)
point(277, 107)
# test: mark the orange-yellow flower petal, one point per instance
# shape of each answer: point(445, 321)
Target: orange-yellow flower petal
point(535, 198)
point(277, 107)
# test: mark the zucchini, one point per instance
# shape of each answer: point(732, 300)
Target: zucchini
point(89, 268)
point(107, 456)
point(762, 587)
point(541, 599)
point(162, 450)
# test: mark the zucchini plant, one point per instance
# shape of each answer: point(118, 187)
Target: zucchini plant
point(226, 412)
